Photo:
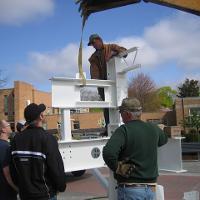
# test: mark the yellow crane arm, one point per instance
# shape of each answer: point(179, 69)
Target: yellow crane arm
point(191, 6)
point(88, 7)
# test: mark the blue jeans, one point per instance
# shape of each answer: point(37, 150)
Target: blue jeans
point(136, 193)
point(53, 198)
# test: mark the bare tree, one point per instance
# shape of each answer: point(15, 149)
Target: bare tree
point(3, 80)
point(89, 95)
point(143, 88)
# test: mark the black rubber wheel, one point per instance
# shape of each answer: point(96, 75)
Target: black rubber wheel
point(78, 173)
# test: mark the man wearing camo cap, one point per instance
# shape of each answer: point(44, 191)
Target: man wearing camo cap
point(98, 68)
point(131, 153)
point(103, 52)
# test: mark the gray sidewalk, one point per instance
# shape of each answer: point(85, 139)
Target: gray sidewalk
point(78, 196)
point(193, 170)
point(192, 167)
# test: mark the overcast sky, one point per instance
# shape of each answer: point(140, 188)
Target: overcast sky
point(40, 39)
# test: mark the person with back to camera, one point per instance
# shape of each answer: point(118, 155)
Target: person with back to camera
point(37, 165)
point(131, 153)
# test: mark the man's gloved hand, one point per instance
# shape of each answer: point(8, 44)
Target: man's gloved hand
point(125, 168)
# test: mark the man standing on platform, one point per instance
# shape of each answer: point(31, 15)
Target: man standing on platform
point(98, 66)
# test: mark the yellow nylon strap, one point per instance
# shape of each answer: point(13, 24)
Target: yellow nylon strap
point(80, 56)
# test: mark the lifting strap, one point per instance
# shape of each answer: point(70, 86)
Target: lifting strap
point(80, 55)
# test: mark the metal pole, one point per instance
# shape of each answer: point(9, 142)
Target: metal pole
point(183, 113)
point(66, 125)
point(102, 180)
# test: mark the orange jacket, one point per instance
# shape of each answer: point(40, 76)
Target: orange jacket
point(99, 58)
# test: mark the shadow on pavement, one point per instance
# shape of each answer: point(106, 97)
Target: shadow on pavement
point(71, 178)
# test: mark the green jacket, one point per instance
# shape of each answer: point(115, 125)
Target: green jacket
point(137, 141)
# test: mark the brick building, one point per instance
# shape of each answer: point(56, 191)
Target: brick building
point(168, 117)
point(14, 100)
point(185, 107)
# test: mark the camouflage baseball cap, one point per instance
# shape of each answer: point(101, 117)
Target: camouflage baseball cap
point(92, 37)
point(130, 104)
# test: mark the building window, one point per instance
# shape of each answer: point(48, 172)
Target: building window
point(72, 111)
point(194, 110)
point(12, 126)
point(55, 111)
point(58, 125)
point(5, 105)
point(75, 111)
point(13, 103)
point(49, 111)
point(44, 125)
point(76, 124)
point(59, 111)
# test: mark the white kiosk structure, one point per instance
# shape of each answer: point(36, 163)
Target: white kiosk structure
point(87, 154)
